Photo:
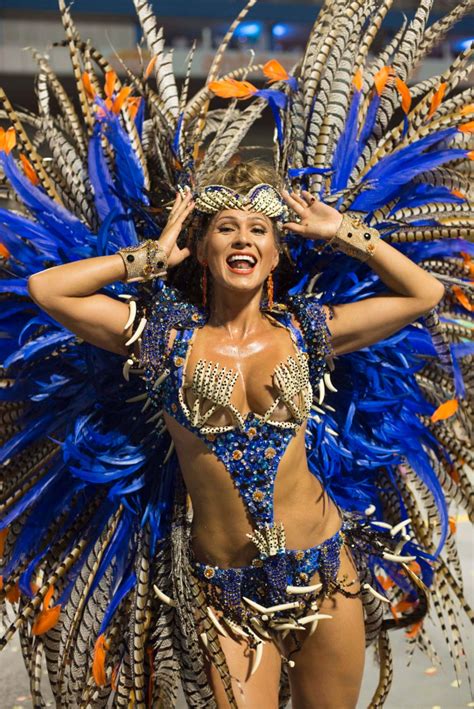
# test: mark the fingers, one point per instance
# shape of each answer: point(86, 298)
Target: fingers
point(310, 199)
point(294, 201)
point(182, 207)
point(294, 227)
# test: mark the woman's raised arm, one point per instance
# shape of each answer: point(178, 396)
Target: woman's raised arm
point(69, 294)
point(413, 291)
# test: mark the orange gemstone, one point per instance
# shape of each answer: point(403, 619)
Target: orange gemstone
point(237, 455)
point(270, 452)
point(251, 432)
point(209, 572)
point(299, 555)
point(179, 361)
point(258, 495)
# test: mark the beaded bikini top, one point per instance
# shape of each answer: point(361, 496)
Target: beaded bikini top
point(252, 446)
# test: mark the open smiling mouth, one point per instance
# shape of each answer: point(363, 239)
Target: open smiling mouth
point(241, 264)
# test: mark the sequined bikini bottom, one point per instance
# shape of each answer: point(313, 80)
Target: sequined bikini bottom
point(277, 577)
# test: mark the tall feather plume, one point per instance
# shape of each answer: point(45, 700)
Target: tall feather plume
point(165, 79)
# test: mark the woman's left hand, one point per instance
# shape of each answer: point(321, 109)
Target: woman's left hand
point(318, 220)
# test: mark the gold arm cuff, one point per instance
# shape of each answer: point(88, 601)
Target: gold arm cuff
point(144, 262)
point(355, 238)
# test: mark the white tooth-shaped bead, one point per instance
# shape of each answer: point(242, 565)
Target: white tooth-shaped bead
point(396, 557)
point(204, 639)
point(216, 623)
point(256, 606)
point(131, 317)
point(400, 526)
point(138, 332)
point(310, 618)
point(316, 418)
point(236, 628)
point(282, 607)
point(138, 397)
point(256, 657)
point(153, 418)
point(163, 597)
point(370, 510)
point(161, 378)
point(328, 382)
point(313, 627)
point(278, 625)
point(331, 430)
point(168, 454)
point(126, 369)
point(258, 627)
point(125, 296)
point(303, 589)
point(384, 525)
point(316, 408)
point(375, 593)
point(145, 406)
point(321, 392)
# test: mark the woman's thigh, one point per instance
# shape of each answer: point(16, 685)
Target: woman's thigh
point(329, 666)
point(251, 691)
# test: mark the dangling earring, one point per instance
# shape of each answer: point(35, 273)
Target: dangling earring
point(204, 283)
point(270, 290)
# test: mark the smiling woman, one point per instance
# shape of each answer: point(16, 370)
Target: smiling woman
point(228, 408)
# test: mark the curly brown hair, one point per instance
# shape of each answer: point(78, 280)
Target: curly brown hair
point(240, 176)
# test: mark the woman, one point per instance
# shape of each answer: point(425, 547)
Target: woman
point(240, 335)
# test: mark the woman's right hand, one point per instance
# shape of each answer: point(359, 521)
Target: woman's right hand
point(182, 208)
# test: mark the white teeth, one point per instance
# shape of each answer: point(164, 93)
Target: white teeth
point(247, 259)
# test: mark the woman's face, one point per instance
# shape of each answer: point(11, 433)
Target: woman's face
point(237, 232)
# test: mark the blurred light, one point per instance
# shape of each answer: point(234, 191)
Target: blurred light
point(280, 30)
point(251, 30)
point(462, 44)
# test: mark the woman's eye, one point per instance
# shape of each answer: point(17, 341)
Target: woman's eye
point(259, 230)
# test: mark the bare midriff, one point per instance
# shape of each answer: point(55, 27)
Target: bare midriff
point(220, 519)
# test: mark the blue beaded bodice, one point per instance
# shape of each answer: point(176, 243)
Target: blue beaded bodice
point(252, 449)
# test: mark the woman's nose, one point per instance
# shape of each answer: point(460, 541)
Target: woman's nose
point(243, 237)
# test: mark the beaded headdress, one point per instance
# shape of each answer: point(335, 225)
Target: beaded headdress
point(263, 198)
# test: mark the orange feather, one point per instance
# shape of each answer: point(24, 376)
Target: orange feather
point(436, 100)
point(382, 77)
point(86, 80)
point(3, 536)
point(7, 139)
point(110, 79)
point(445, 410)
point(462, 298)
point(357, 79)
point(466, 127)
point(274, 71)
point(13, 595)
point(133, 104)
point(231, 88)
point(29, 170)
point(122, 95)
point(98, 665)
point(48, 617)
point(416, 628)
point(405, 94)
point(149, 68)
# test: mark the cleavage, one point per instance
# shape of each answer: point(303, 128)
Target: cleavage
point(237, 383)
